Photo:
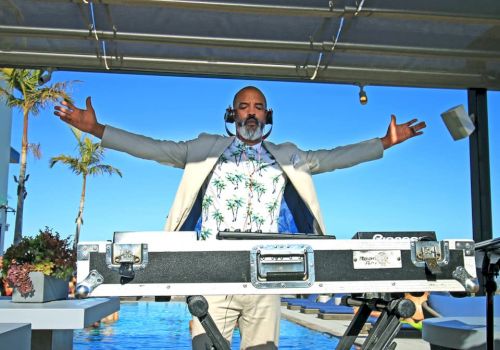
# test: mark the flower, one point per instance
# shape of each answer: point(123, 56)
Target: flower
point(45, 252)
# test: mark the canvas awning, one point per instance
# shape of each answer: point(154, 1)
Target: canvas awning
point(425, 43)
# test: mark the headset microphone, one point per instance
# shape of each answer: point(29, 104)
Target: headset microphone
point(230, 117)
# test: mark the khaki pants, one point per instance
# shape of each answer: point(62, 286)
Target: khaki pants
point(258, 318)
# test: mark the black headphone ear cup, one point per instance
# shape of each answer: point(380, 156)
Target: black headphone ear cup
point(269, 116)
point(229, 115)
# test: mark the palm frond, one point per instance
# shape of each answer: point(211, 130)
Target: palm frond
point(10, 100)
point(35, 149)
point(77, 133)
point(72, 162)
point(104, 169)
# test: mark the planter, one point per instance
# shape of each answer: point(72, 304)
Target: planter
point(45, 288)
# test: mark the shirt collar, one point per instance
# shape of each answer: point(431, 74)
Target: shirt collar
point(257, 147)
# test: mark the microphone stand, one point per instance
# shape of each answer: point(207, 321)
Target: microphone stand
point(490, 271)
point(198, 306)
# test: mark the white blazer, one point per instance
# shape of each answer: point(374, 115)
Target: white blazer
point(198, 157)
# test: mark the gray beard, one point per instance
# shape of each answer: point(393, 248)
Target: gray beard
point(251, 134)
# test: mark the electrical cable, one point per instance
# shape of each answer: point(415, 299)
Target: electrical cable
point(94, 30)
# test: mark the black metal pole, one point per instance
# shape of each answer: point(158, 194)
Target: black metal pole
point(480, 167)
point(482, 228)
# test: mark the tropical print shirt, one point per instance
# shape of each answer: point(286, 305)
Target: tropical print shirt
point(244, 192)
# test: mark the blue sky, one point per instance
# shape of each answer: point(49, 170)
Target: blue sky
point(423, 184)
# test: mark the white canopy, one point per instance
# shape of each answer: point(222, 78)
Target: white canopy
point(424, 43)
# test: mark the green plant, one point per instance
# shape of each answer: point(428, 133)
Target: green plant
point(45, 252)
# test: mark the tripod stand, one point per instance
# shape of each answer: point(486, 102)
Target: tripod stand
point(490, 267)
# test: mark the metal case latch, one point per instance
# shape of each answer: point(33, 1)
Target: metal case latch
point(430, 254)
point(282, 266)
point(126, 259)
point(85, 287)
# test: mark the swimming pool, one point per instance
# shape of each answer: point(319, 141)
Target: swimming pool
point(155, 326)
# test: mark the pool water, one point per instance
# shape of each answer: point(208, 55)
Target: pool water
point(155, 326)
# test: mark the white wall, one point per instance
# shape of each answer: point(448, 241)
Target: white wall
point(5, 131)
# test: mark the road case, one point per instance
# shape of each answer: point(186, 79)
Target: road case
point(175, 263)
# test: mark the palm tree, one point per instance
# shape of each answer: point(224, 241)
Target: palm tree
point(25, 91)
point(87, 163)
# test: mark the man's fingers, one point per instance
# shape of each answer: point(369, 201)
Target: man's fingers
point(68, 104)
point(88, 103)
point(62, 109)
point(63, 116)
point(415, 129)
point(419, 126)
point(409, 123)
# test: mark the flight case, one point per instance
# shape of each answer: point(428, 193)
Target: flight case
point(175, 263)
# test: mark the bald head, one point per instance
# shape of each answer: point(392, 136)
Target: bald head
point(245, 89)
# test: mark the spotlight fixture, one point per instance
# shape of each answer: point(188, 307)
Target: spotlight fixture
point(45, 76)
point(459, 123)
point(363, 99)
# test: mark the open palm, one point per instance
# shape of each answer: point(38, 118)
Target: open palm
point(397, 133)
point(82, 119)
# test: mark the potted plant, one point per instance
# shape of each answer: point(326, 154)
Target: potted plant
point(39, 267)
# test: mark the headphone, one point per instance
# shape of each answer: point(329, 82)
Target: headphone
point(230, 117)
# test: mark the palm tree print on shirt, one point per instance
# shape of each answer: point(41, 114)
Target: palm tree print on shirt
point(230, 206)
point(259, 189)
point(205, 205)
point(251, 184)
point(235, 179)
point(234, 205)
point(258, 220)
point(222, 160)
point(236, 154)
point(219, 186)
point(262, 165)
point(218, 217)
point(271, 209)
point(250, 216)
point(275, 180)
point(205, 233)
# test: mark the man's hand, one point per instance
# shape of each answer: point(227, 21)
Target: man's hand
point(397, 133)
point(83, 119)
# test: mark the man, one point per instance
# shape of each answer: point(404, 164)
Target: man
point(241, 183)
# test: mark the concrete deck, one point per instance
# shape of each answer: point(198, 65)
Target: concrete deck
point(337, 329)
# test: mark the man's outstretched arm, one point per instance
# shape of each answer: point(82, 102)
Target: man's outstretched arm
point(397, 133)
point(83, 119)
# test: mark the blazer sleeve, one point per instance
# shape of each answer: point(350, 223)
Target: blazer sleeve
point(320, 161)
point(166, 152)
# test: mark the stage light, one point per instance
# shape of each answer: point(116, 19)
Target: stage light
point(363, 99)
point(45, 76)
point(458, 122)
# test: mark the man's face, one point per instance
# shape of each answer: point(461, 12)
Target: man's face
point(250, 107)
